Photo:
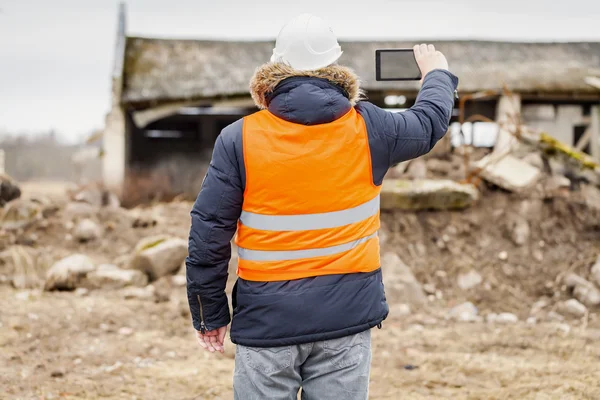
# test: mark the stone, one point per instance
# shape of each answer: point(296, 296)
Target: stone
point(82, 292)
point(572, 308)
point(554, 316)
point(109, 276)
point(588, 295)
point(595, 272)
point(9, 190)
point(86, 230)
point(159, 259)
point(557, 182)
point(534, 159)
point(417, 169)
point(572, 280)
point(503, 256)
point(69, 273)
point(469, 280)
point(401, 286)
point(465, 312)
point(519, 231)
point(140, 293)
point(429, 288)
point(425, 194)
point(20, 214)
point(125, 331)
point(531, 320)
point(508, 172)
point(506, 318)
point(400, 310)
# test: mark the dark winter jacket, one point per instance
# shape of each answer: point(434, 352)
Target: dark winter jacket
point(269, 314)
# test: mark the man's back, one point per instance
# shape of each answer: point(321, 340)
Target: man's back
point(290, 180)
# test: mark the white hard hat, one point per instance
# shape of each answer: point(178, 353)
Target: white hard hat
point(306, 43)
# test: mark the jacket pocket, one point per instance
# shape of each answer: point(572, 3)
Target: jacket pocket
point(268, 360)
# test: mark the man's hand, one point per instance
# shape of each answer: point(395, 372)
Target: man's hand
point(212, 340)
point(429, 59)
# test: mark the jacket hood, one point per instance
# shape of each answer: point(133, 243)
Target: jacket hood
point(268, 76)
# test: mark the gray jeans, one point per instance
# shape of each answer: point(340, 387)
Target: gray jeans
point(330, 369)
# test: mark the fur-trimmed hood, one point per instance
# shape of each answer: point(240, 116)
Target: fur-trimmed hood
point(269, 75)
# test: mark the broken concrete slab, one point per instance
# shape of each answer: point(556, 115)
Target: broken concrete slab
point(401, 286)
point(426, 194)
point(158, 256)
point(19, 214)
point(109, 276)
point(69, 273)
point(508, 172)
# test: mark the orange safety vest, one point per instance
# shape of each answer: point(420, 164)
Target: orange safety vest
point(310, 206)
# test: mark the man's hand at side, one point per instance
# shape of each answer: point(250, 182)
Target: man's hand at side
point(429, 59)
point(212, 340)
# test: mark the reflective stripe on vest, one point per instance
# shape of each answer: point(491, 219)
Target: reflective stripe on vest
point(310, 205)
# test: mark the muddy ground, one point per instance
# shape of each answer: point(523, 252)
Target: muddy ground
point(60, 345)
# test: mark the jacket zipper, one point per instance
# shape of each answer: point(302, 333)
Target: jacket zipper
point(202, 326)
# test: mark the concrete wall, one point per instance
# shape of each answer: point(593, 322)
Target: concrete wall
point(557, 120)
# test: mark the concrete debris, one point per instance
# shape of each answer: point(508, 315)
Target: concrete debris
point(125, 331)
point(572, 280)
point(587, 294)
point(77, 210)
point(109, 276)
point(562, 328)
point(19, 214)
point(401, 286)
point(426, 195)
point(439, 167)
point(9, 190)
point(140, 293)
point(503, 256)
point(82, 292)
point(531, 320)
point(502, 318)
point(508, 172)
point(159, 258)
point(429, 288)
point(572, 308)
point(595, 272)
point(469, 280)
point(143, 219)
point(69, 273)
point(534, 159)
point(87, 230)
point(556, 183)
point(554, 316)
point(465, 312)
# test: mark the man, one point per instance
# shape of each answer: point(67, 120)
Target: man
point(300, 181)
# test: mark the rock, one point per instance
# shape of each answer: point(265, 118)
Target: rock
point(429, 288)
point(537, 255)
point(595, 272)
point(554, 316)
point(19, 214)
point(69, 272)
point(539, 306)
point(179, 280)
point(465, 312)
point(87, 230)
point(122, 261)
point(572, 280)
point(401, 286)
point(469, 280)
point(508, 172)
point(439, 167)
point(400, 310)
point(139, 293)
point(160, 258)
point(9, 190)
point(125, 331)
point(588, 295)
point(519, 231)
point(563, 328)
point(417, 169)
point(572, 308)
point(426, 195)
point(557, 182)
point(503, 256)
point(77, 210)
point(109, 276)
point(143, 218)
point(531, 320)
point(506, 318)
point(534, 159)
point(82, 292)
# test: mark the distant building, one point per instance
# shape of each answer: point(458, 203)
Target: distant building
point(171, 98)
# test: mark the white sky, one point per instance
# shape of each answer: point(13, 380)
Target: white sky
point(56, 55)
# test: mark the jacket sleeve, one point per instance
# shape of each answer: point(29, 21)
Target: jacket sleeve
point(214, 219)
point(405, 135)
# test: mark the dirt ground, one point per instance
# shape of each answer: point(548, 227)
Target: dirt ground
point(60, 345)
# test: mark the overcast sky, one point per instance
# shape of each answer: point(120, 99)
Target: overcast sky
point(56, 55)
